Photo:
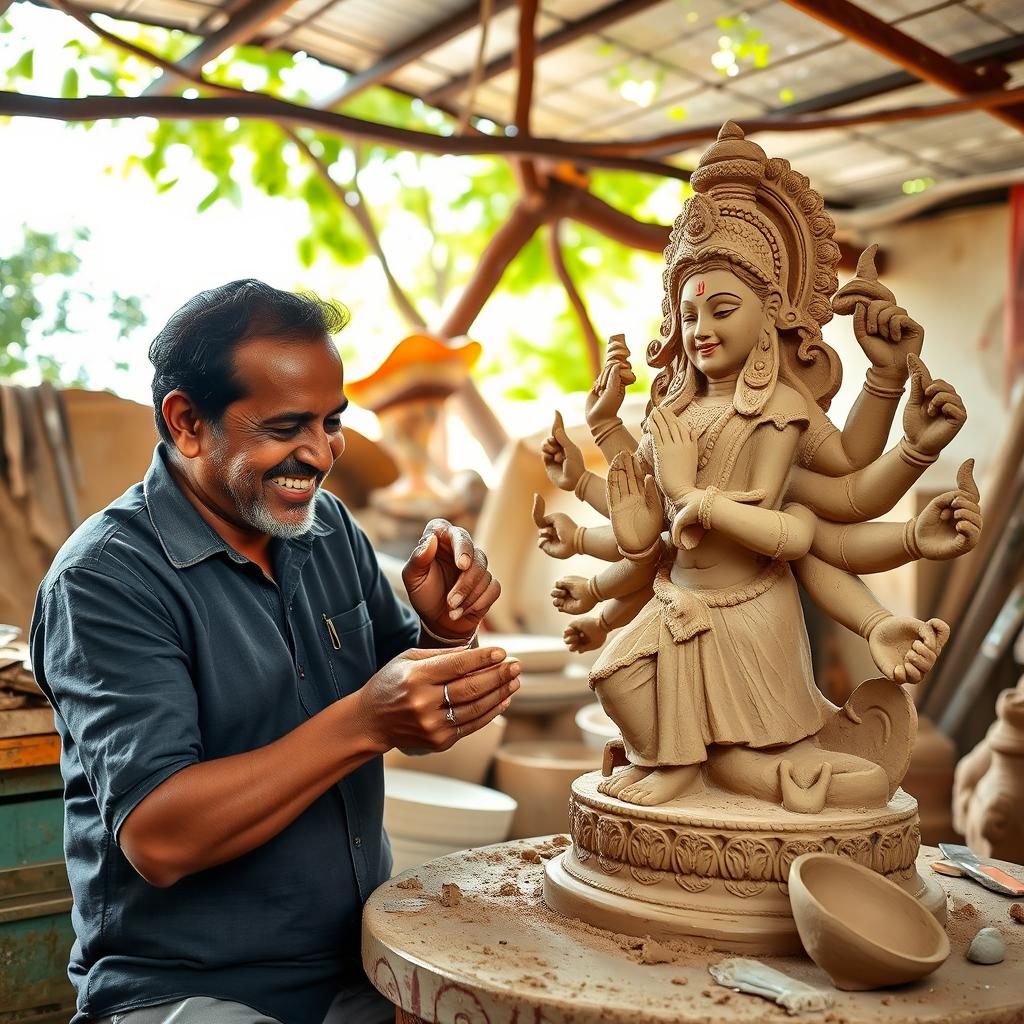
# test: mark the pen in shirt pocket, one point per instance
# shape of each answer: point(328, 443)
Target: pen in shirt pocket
point(332, 633)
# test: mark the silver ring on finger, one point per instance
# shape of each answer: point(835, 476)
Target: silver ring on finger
point(450, 717)
point(447, 699)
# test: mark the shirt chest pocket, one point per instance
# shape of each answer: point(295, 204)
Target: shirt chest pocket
point(348, 639)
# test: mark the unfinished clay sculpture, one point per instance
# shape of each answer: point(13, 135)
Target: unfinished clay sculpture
point(988, 787)
point(739, 488)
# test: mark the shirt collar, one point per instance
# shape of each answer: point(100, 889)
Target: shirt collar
point(183, 533)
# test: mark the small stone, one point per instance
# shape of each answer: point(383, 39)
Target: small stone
point(1016, 912)
point(987, 947)
point(451, 894)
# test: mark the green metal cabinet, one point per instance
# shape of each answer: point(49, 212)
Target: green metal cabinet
point(35, 900)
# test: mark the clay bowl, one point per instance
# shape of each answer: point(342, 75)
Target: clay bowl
point(470, 759)
point(537, 774)
point(864, 931)
point(597, 728)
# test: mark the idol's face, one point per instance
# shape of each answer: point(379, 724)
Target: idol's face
point(721, 319)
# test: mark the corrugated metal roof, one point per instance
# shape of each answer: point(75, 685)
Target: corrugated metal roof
point(655, 72)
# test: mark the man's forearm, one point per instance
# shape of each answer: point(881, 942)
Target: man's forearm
point(215, 811)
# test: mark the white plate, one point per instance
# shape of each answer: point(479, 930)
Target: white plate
point(429, 808)
point(536, 652)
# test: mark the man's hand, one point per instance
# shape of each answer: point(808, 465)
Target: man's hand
point(403, 705)
point(447, 581)
point(934, 413)
point(563, 461)
point(950, 525)
point(556, 531)
point(884, 330)
point(905, 649)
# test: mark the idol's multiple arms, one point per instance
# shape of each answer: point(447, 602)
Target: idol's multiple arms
point(949, 526)
point(933, 417)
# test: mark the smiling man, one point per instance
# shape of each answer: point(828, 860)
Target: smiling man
point(227, 665)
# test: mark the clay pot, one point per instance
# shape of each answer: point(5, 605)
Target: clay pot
point(929, 780)
point(597, 728)
point(470, 759)
point(538, 775)
point(864, 931)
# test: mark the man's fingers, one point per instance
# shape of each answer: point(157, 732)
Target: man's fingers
point(464, 729)
point(965, 481)
point(443, 666)
point(500, 679)
point(486, 599)
point(470, 586)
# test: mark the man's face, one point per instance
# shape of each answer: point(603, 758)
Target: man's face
point(272, 449)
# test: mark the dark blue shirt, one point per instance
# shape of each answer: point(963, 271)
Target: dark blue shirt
point(160, 647)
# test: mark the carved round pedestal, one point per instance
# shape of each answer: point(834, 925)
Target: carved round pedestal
point(715, 867)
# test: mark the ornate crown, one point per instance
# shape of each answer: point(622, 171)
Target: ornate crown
point(762, 215)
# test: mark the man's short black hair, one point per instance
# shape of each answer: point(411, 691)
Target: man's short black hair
point(194, 351)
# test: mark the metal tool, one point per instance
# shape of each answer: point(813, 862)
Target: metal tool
point(985, 874)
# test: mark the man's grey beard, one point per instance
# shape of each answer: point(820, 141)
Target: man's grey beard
point(259, 517)
point(253, 511)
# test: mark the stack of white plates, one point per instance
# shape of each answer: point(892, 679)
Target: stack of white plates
point(428, 816)
point(596, 726)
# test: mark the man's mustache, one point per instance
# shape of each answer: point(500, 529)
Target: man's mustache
point(292, 467)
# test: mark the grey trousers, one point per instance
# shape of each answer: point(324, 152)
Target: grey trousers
point(362, 1005)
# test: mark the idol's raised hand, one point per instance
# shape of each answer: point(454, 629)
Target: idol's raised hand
point(563, 461)
point(609, 389)
point(883, 329)
point(675, 454)
point(634, 506)
point(950, 524)
point(934, 413)
point(556, 532)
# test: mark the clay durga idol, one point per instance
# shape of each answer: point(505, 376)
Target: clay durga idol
point(731, 761)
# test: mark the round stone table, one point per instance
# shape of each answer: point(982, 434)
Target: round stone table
point(493, 953)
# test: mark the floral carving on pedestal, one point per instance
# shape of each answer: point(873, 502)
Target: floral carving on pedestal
point(694, 856)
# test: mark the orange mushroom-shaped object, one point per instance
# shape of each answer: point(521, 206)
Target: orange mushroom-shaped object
point(420, 366)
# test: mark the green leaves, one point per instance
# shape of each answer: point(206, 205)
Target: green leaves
point(69, 84)
point(35, 304)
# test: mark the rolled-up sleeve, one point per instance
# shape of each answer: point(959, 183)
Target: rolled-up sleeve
point(118, 678)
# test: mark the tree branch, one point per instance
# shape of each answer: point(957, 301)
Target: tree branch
point(524, 59)
point(358, 211)
point(586, 208)
point(575, 299)
point(269, 108)
point(362, 217)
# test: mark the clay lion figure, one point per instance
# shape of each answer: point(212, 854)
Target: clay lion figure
point(738, 488)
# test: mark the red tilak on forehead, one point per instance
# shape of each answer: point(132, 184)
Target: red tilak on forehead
point(700, 287)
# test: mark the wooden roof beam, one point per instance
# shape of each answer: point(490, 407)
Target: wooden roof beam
point(599, 20)
point(929, 65)
point(435, 36)
point(240, 28)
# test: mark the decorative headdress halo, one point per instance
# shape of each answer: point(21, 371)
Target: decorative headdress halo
point(759, 214)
